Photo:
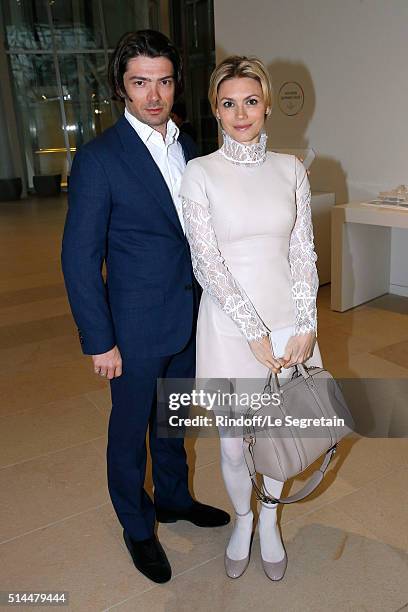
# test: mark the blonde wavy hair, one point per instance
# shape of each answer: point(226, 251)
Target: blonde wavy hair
point(238, 66)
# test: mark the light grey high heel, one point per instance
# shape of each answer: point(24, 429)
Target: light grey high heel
point(275, 571)
point(233, 568)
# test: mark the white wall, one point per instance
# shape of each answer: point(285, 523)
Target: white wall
point(351, 58)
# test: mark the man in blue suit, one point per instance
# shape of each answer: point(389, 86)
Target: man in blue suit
point(139, 324)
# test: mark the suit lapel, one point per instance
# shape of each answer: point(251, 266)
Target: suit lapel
point(188, 154)
point(139, 161)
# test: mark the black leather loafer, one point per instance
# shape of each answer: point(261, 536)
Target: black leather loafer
point(149, 558)
point(199, 514)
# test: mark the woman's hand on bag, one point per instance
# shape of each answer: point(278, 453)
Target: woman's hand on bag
point(299, 349)
point(263, 352)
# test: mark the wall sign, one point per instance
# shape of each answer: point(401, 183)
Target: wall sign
point(291, 98)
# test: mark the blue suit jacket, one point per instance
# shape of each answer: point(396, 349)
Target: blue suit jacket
point(121, 211)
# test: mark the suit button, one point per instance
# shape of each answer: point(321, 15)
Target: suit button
point(188, 287)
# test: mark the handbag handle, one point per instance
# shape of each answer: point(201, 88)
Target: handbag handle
point(264, 496)
point(273, 381)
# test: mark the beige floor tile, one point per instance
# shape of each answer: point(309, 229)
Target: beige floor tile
point(52, 427)
point(31, 294)
point(12, 336)
point(324, 294)
point(359, 461)
point(328, 516)
point(33, 311)
point(31, 278)
point(333, 487)
point(391, 303)
point(48, 352)
point(396, 353)
point(202, 451)
point(50, 488)
point(83, 555)
point(188, 546)
point(30, 388)
point(370, 326)
point(40, 262)
point(337, 344)
point(329, 569)
point(364, 365)
point(382, 506)
point(340, 345)
point(373, 323)
point(86, 555)
point(100, 445)
point(394, 451)
point(209, 488)
point(329, 319)
point(101, 398)
point(18, 357)
point(378, 405)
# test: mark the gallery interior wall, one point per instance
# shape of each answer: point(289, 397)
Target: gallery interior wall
point(350, 57)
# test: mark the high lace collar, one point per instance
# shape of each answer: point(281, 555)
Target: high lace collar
point(247, 155)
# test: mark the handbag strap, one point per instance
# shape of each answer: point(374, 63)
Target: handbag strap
point(264, 496)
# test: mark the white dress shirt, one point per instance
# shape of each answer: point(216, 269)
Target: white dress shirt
point(168, 155)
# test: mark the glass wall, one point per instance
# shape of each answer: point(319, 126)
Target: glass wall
point(58, 53)
point(192, 25)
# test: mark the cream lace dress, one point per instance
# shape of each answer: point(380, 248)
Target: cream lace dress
point(248, 221)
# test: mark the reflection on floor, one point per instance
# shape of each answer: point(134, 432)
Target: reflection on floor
point(346, 545)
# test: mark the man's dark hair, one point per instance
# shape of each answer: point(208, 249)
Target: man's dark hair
point(149, 43)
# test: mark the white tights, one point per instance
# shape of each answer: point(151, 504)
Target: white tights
point(239, 488)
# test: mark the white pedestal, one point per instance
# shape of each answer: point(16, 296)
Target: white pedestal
point(361, 248)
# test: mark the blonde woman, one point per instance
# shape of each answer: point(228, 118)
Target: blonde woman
point(248, 221)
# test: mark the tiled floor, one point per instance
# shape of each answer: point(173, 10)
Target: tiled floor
point(347, 545)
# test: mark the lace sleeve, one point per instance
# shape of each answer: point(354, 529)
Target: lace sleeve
point(302, 258)
point(213, 275)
